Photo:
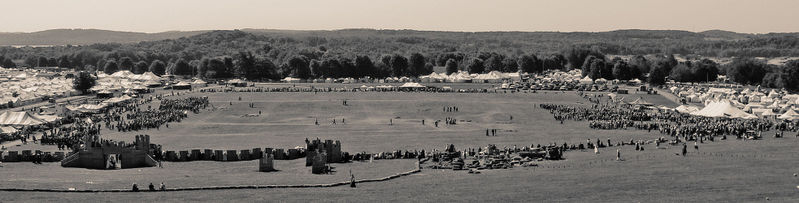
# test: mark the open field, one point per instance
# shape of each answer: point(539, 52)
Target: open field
point(731, 170)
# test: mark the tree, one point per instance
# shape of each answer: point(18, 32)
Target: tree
point(140, 67)
point(399, 65)
point(63, 62)
point(451, 66)
point(298, 66)
point(682, 73)
point(8, 63)
point(42, 62)
point(598, 68)
point(316, 68)
point(586, 68)
point(364, 67)
point(126, 63)
point(182, 68)
point(509, 65)
point(202, 67)
point(244, 65)
point(264, 69)
point(640, 63)
point(157, 67)
point(746, 71)
point(476, 66)
point(705, 70)
point(83, 82)
point(110, 67)
point(576, 57)
point(529, 64)
point(658, 73)
point(622, 71)
point(417, 63)
point(493, 63)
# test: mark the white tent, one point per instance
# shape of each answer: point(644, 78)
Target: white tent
point(586, 81)
point(722, 108)
point(686, 109)
point(23, 118)
point(789, 115)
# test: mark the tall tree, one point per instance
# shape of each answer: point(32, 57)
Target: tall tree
point(126, 63)
point(622, 71)
point(746, 71)
point(182, 68)
point(140, 67)
point(494, 62)
point(476, 66)
point(451, 66)
point(417, 63)
point(399, 65)
point(364, 67)
point(110, 67)
point(8, 63)
point(299, 67)
point(83, 82)
point(157, 67)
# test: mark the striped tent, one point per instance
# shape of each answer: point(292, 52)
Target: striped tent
point(19, 118)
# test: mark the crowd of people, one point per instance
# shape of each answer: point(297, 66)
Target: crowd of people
point(674, 124)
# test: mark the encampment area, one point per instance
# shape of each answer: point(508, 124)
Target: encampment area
point(377, 122)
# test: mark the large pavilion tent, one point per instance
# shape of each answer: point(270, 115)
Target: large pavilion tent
point(789, 115)
point(19, 118)
point(722, 108)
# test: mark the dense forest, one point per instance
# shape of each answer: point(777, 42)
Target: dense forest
point(274, 54)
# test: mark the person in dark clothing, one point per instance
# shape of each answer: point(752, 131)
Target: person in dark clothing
point(135, 187)
point(152, 187)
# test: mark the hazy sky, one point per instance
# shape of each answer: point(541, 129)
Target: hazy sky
point(751, 16)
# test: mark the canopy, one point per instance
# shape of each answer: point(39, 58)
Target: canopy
point(7, 130)
point(789, 115)
point(117, 99)
point(412, 84)
point(199, 82)
point(236, 81)
point(182, 83)
point(640, 101)
point(586, 80)
point(722, 108)
point(686, 109)
point(290, 79)
point(19, 118)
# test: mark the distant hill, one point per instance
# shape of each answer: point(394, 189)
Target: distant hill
point(87, 36)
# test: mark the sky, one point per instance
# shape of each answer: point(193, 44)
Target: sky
point(747, 16)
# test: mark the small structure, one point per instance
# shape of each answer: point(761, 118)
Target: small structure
point(103, 154)
point(330, 148)
point(237, 83)
point(266, 163)
point(181, 86)
point(320, 163)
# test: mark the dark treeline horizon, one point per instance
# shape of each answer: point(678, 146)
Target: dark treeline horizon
point(360, 53)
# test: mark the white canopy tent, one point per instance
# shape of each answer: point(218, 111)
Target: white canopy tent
point(723, 108)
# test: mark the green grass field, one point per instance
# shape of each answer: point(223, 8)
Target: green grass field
point(730, 170)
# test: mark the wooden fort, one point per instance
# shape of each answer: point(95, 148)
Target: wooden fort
point(105, 154)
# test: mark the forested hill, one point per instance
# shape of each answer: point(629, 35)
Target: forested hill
point(86, 36)
point(623, 42)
